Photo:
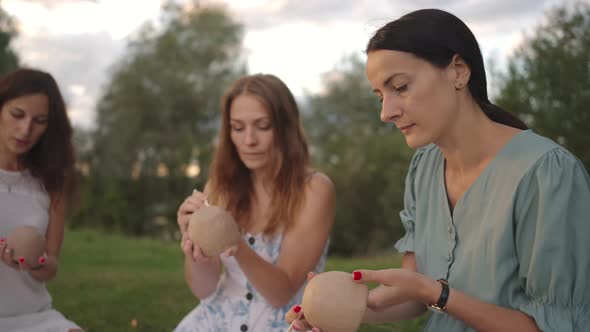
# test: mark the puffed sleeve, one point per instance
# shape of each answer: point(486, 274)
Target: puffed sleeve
point(552, 223)
point(406, 243)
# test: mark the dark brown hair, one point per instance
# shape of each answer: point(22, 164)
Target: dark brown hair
point(436, 36)
point(51, 159)
point(229, 178)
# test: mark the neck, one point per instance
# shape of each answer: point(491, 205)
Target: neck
point(261, 182)
point(9, 161)
point(472, 140)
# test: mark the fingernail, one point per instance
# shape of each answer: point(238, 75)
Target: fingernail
point(41, 260)
point(297, 309)
point(21, 259)
point(2, 240)
point(356, 275)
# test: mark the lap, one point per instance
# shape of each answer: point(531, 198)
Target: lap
point(45, 321)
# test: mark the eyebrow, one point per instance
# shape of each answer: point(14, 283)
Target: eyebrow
point(16, 108)
point(255, 120)
point(389, 79)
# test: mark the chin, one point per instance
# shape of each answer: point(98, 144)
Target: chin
point(415, 142)
point(253, 166)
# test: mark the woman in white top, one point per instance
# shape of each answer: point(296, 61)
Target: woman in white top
point(260, 173)
point(36, 178)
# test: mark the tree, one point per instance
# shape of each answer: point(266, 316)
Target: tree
point(158, 113)
point(8, 58)
point(366, 159)
point(548, 79)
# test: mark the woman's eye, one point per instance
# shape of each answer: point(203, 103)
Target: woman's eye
point(402, 88)
point(17, 115)
point(236, 128)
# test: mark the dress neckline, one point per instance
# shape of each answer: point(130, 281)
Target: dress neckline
point(479, 178)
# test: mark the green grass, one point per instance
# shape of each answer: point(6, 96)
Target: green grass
point(106, 282)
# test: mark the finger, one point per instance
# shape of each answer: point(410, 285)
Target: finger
point(310, 275)
point(5, 254)
point(42, 260)
point(187, 247)
point(183, 222)
point(230, 251)
point(22, 264)
point(8, 257)
point(189, 207)
point(296, 319)
point(199, 255)
point(383, 277)
point(292, 314)
point(9, 254)
point(199, 195)
point(383, 297)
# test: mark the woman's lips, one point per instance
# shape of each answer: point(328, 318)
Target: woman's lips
point(406, 129)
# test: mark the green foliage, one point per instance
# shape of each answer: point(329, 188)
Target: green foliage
point(8, 58)
point(157, 115)
point(366, 159)
point(107, 281)
point(548, 78)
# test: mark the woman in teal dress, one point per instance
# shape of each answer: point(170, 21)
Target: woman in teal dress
point(496, 216)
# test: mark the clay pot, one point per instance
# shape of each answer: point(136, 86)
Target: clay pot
point(333, 302)
point(213, 229)
point(27, 242)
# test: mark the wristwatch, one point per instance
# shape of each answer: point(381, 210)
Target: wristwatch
point(441, 304)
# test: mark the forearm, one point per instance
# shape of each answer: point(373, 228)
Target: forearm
point(269, 280)
point(399, 312)
point(202, 278)
point(480, 315)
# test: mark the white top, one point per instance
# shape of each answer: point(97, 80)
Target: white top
point(236, 306)
point(23, 201)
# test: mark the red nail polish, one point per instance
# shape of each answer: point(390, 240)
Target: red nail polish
point(41, 260)
point(356, 275)
point(21, 259)
point(297, 309)
point(2, 240)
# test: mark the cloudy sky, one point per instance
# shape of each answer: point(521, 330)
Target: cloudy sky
point(297, 40)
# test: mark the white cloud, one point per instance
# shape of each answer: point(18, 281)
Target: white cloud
point(78, 40)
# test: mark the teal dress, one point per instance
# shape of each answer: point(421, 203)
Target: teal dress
point(518, 238)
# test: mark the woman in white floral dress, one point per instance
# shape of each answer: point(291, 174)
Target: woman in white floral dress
point(260, 173)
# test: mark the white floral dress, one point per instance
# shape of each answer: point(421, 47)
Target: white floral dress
point(236, 306)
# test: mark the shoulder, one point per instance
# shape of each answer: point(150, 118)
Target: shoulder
point(557, 164)
point(542, 155)
point(319, 183)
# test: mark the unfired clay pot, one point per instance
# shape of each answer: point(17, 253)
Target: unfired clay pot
point(333, 302)
point(213, 229)
point(27, 242)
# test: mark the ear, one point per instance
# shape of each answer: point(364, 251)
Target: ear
point(460, 72)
